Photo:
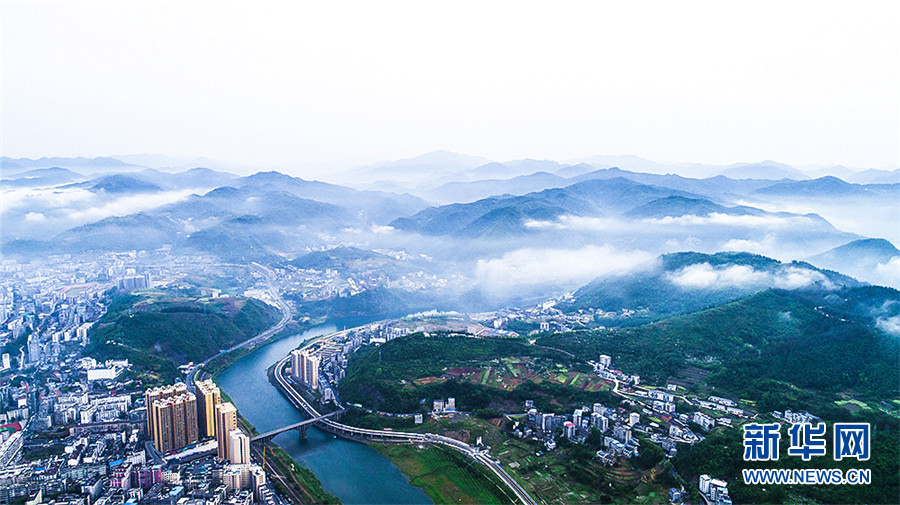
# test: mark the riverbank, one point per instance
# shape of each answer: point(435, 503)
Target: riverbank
point(305, 487)
point(221, 362)
point(354, 473)
point(445, 475)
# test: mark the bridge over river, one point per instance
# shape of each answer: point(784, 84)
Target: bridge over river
point(325, 423)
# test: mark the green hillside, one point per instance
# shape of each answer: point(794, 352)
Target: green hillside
point(158, 331)
point(398, 375)
point(655, 295)
point(762, 345)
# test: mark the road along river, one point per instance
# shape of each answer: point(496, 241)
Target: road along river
point(351, 471)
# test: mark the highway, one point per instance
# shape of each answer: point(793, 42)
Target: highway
point(285, 319)
point(355, 433)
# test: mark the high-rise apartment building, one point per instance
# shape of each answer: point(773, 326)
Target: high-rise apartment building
point(226, 420)
point(305, 368)
point(208, 396)
point(171, 417)
point(238, 447)
point(296, 357)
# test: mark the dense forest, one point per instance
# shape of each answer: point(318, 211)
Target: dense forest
point(158, 331)
point(382, 377)
point(764, 345)
point(721, 455)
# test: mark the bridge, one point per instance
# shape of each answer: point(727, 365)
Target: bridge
point(389, 436)
point(301, 427)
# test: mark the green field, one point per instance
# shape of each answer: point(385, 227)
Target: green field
point(444, 475)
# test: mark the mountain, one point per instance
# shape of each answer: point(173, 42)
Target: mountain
point(141, 231)
point(818, 340)
point(373, 206)
point(873, 249)
point(865, 259)
point(86, 165)
point(158, 331)
point(121, 183)
point(675, 206)
point(464, 192)
point(873, 176)
point(826, 187)
point(686, 282)
point(42, 177)
point(507, 215)
point(339, 258)
point(419, 168)
point(717, 186)
point(771, 170)
point(637, 164)
point(234, 223)
point(510, 169)
point(189, 179)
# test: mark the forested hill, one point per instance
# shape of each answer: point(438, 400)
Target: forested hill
point(824, 341)
point(158, 331)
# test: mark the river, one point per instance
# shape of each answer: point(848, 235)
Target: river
point(353, 472)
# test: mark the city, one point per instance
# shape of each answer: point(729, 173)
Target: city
point(295, 253)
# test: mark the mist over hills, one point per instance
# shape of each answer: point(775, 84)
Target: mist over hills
point(685, 282)
point(482, 219)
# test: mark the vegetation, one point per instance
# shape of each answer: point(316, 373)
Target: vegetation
point(762, 347)
point(721, 456)
point(372, 302)
point(305, 482)
point(386, 377)
point(445, 475)
point(654, 296)
point(157, 330)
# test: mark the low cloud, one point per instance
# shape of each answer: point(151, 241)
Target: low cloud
point(768, 222)
point(129, 205)
point(888, 274)
point(579, 223)
point(890, 325)
point(566, 267)
point(705, 276)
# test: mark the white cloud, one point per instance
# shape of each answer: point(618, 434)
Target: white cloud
point(736, 244)
point(579, 223)
point(888, 273)
point(43, 197)
point(35, 217)
point(890, 325)
point(129, 205)
point(769, 222)
point(376, 228)
point(555, 266)
point(704, 275)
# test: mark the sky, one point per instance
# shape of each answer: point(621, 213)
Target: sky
point(305, 84)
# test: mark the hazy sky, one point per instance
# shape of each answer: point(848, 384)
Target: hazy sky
point(290, 84)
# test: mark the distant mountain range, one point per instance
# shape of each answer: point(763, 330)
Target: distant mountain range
point(486, 209)
point(507, 216)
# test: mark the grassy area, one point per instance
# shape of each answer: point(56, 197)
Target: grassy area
point(445, 476)
point(853, 405)
point(37, 453)
point(484, 376)
point(302, 479)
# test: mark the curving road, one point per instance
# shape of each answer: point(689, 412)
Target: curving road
point(353, 432)
point(286, 315)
